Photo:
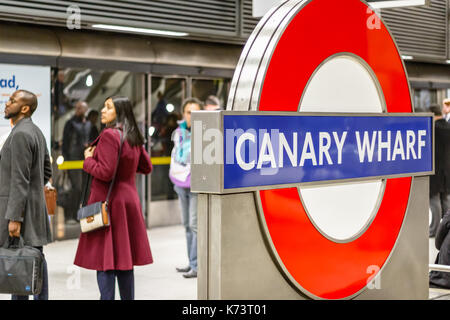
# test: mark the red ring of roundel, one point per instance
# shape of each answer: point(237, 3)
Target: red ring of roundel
point(323, 268)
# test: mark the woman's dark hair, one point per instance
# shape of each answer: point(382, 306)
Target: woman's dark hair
point(126, 120)
point(436, 109)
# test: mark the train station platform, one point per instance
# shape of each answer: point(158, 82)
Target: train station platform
point(158, 281)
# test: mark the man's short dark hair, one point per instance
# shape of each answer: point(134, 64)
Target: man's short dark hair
point(436, 109)
point(92, 113)
point(212, 100)
point(29, 99)
point(191, 100)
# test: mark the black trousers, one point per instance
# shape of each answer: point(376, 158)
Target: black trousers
point(439, 204)
point(107, 284)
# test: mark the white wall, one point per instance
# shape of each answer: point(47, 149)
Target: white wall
point(260, 7)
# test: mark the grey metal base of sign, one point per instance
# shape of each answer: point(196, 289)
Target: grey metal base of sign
point(235, 263)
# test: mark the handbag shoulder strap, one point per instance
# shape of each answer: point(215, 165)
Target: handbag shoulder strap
point(87, 179)
point(117, 165)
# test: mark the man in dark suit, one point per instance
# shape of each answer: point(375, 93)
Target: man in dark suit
point(440, 181)
point(24, 170)
point(441, 279)
point(76, 138)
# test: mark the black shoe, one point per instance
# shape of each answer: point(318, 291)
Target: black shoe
point(436, 286)
point(190, 274)
point(185, 269)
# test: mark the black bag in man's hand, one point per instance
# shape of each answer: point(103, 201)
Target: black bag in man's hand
point(21, 268)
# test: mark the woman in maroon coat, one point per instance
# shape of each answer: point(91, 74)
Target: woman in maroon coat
point(114, 250)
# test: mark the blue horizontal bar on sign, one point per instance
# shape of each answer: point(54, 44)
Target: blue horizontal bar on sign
point(265, 150)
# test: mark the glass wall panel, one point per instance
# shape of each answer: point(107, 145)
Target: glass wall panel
point(203, 88)
point(167, 95)
point(424, 98)
point(78, 96)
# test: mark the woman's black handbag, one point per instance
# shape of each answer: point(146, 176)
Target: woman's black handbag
point(96, 215)
point(21, 268)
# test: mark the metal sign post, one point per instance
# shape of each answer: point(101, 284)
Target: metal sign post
point(314, 182)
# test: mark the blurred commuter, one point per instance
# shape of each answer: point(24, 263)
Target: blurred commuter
point(92, 117)
point(59, 100)
point(165, 135)
point(446, 109)
point(24, 170)
point(180, 175)
point(114, 251)
point(440, 181)
point(212, 103)
point(76, 135)
point(164, 145)
point(442, 243)
point(160, 113)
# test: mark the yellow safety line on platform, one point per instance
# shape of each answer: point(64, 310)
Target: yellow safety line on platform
point(157, 161)
point(71, 165)
point(74, 165)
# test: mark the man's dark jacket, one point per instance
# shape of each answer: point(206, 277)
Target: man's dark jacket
point(442, 242)
point(76, 136)
point(440, 181)
point(24, 170)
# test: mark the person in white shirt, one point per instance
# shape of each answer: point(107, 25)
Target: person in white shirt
point(446, 109)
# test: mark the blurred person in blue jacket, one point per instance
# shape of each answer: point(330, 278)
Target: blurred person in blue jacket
point(180, 175)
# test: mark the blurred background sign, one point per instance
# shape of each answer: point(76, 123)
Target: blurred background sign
point(32, 78)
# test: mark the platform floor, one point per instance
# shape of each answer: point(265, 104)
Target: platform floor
point(152, 282)
point(158, 281)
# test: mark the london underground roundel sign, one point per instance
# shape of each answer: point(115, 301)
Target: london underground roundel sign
point(328, 140)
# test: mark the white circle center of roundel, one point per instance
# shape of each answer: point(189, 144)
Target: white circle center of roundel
point(342, 211)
